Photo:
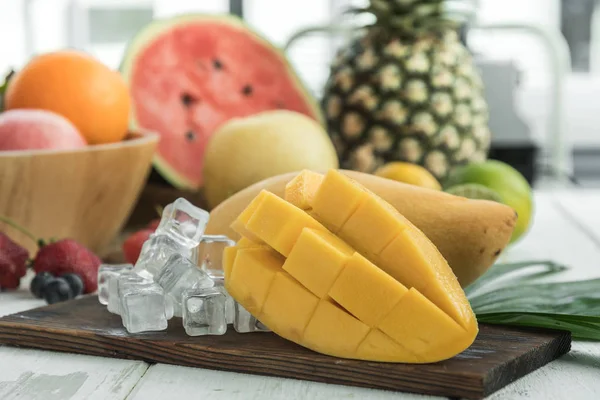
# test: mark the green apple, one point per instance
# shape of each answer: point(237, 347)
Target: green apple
point(512, 188)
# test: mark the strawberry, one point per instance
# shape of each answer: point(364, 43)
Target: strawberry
point(14, 251)
point(69, 256)
point(153, 224)
point(132, 246)
point(13, 262)
point(10, 273)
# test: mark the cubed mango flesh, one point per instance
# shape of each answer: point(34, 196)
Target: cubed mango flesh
point(239, 224)
point(333, 331)
point(380, 346)
point(247, 242)
point(288, 307)
point(300, 191)
point(408, 253)
point(334, 201)
point(317, 259)
point(366, 291)
point(412, 258)
point(343, 273)
point(257, 266)
point(229, 254)
point(277, 222)
point(421, 326)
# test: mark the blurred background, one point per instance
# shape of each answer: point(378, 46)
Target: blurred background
point(541, 69)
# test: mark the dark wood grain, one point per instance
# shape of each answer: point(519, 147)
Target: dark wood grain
point(499, 356)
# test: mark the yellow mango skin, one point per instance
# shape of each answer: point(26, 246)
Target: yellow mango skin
point(470, 234)
point(365, 314)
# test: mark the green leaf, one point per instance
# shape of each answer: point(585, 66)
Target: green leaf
point(522, 300)
point(502, 270)
point(581, 327)
point(572, 298)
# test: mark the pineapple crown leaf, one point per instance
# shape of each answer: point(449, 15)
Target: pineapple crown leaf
point(416, 15)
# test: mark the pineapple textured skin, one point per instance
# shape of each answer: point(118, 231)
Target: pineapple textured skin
point(398, 93)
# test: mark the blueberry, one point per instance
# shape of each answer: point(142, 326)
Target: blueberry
point(38, 282)
point(75, 283)
point(57, 290)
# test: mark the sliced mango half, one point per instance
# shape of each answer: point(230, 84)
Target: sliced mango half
point(336, 269)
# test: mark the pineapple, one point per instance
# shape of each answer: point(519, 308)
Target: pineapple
point(407, 90)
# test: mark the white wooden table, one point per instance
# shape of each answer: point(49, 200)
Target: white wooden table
point(566, 229)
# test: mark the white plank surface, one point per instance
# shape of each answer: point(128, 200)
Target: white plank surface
point(44, 375)
point(557, 236)
point(20, 300)
point(167, 381)
point(566, 229)
point(583, 207)
point(27, 374)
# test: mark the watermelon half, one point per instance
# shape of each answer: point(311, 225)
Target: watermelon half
point(189, 74)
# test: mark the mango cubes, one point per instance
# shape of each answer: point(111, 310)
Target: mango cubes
point(336, 269)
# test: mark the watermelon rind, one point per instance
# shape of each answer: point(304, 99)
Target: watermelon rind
point(154, 29)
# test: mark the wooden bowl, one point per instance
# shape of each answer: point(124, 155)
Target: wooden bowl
point(85, 194)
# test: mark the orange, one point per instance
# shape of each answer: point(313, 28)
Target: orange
point(77, 86)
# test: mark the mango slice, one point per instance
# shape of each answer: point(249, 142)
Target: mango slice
point(338, 270)
point(390, 241)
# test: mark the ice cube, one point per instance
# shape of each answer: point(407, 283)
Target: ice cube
point(211, 248)
point(244, 322)
point(229, 309)
point(105, 271)
point(179, 274)
point(204, 311)
point(155, 253)
point(184, 222)
point(114, 304)
point(142, 305)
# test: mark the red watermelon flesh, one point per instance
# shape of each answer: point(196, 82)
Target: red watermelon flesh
point(192, 77)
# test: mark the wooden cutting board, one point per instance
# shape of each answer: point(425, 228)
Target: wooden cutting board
point(499, 356)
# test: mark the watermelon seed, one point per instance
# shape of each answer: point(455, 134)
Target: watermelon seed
point(279, 104)
point(217, 64)
point(190, 135)
point(247, 90)
point(187, 99)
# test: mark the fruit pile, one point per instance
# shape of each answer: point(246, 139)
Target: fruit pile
point(64, 269)
point(421, 119)
point(63, 100)
point(410, 110)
